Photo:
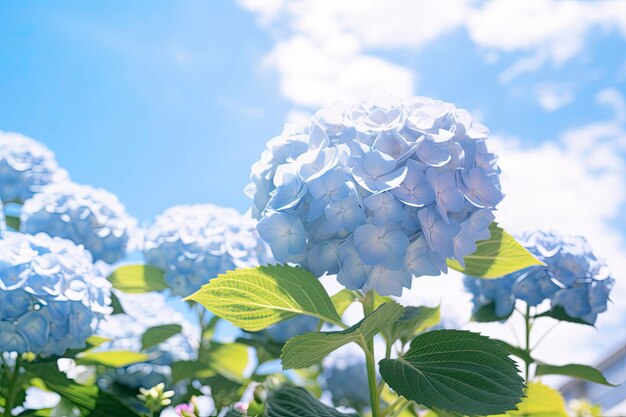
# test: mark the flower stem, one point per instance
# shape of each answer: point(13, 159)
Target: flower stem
point(13, 387)
point(527, 348)
point(368, 308)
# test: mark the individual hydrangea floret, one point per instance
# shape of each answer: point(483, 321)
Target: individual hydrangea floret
point(573, 279)
point(88, 216)
point(377, 192)
point(345, 377)
point(25, 167)
point(141, 312)
point(195, 243)
point(51, 295)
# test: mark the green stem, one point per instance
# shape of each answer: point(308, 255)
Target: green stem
point(13, 387)
point(368, 308)
point(399, 404)
point(527, 348)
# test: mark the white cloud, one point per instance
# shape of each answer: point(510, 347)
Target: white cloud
point(553, 96)
point(314, 74)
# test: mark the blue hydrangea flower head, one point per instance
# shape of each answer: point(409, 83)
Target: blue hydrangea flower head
point(345, 377)
point(92, 217)
point(289, 328)
point(3, 224)
point(377, 192)
point(573, 279)
point(51, 295)
point(195, 243)
point(143, 311)
point(25, 167)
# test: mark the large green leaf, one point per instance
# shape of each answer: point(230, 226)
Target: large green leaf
point(456, 371)
point(414, 320)
point(255, 298)
point(540, 401)
point(310, 348)
point(573, 370)
point(498, 256)
point(112, 358)
point(229, 360)
point(48, 377)
point(155, 335)
point(182, 370)
point(516, 351)
point(297, 402)
point(135, 279)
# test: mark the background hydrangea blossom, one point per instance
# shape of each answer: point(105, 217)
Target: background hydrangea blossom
point(195, 243)
point(51, 295)
point(377, 192)
point(143, 311)
point(89, 216)
point(25, 167)
point(289, 328)
point(573, 279)
point(2, 220)
point(345, 377)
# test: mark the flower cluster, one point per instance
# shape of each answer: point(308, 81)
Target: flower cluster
point(193, 244)
point(573, 279)
point(345, 377)
point(3, 224)
point(51, 295)
point(143, 311)
point(289, 328)
point(88, 216)
point(25, 167)
point(377, 192)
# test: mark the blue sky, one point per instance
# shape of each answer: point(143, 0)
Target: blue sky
point(167, 103)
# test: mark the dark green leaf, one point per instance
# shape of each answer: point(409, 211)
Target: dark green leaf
point(310, 348)
point(573, 370)
point(108, 405)
point(516, 351)
point(155, 335)
point(13, 222)
point(457, 371)
point(135, 279)
point(115, 303)
point(190, 369)
point(256, 298)
point(498, 256)
point(487, 313)
point(297, 402)
point(559, 313)
point(223, 391)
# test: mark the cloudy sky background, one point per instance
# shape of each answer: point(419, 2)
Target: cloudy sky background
point(168, 103)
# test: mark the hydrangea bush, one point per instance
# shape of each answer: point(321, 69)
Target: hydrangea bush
point(195, 243)
point(25, 167)
point(377, 192)
point(85, 215)
point(572, 279)
point(51, 296)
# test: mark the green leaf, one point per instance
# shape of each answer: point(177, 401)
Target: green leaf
point(112, 358)
point(516, 351)
point(343, 299)
point(48, 377)
point(559, 313)
point(109, 405)
point(540, 401)
point(255, 298)
point(498, 256)
point(229, 360)
point(573, 370)
point(12, 221)
point(190, 369)
point(296, 401)
point(266, 350)
point(487, 314)
point(116, 304)
point(310, 348)
point(413, 321)
point(223, 391)
point(135, 279)
point(457, 371)
point(158, 334)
